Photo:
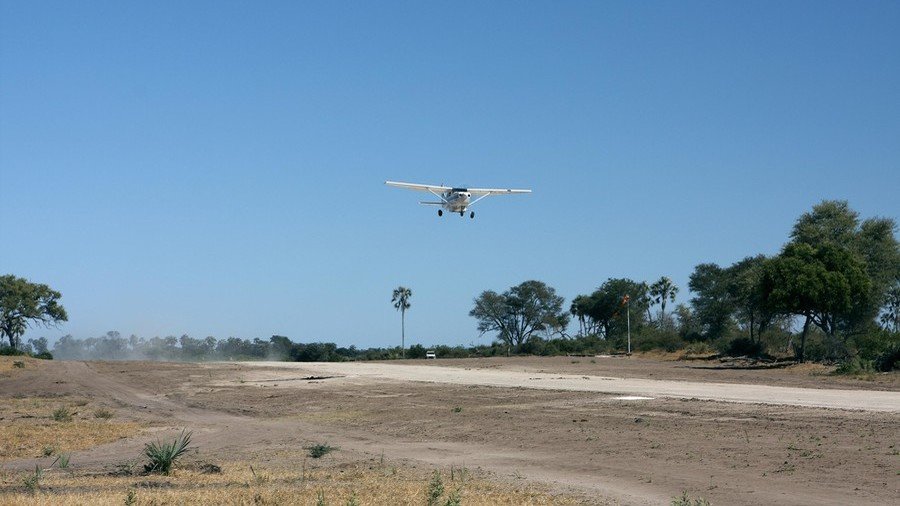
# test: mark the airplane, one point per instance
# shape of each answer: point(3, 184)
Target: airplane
point(454, 199)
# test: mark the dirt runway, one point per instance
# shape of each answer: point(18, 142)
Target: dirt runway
point(725, 392)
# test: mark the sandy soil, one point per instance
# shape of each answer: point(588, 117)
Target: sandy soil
point(583, 442)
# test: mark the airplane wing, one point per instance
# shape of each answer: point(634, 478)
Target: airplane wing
point(495, 191)
point(419, 187)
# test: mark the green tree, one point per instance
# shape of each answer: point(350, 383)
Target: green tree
point(712, 302)
point(521, 312)
point(603, 310)
point(822, 285)
point(744, 280)
point(661, 291)
point(871, 241)
point(23, 303)
point(400, 300)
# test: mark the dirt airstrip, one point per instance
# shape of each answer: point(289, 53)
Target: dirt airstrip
point(588, 430)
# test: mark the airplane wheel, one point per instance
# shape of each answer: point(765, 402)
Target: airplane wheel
point(472, 215)
point(440, 212)
point(462, 213)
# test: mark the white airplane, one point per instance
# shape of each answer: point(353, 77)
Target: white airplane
point(454, 200)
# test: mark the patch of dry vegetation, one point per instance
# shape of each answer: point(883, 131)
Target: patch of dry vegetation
point(8, 367)
point(237, 483)
point(34, 424)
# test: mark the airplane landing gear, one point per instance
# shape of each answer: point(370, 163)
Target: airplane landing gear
point(472, 215)
point(440, 212)
point(462, 213)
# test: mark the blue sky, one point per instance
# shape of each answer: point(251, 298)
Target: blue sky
point(217, 168)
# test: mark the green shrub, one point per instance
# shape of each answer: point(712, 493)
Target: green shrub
point(9, 351)
point(163, 456)
point(435, 489)
point(44, 355)
point(745, 347)
point(856, 366)
point(320, 450)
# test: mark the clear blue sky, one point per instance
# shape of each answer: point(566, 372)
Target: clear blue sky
point(217, 168)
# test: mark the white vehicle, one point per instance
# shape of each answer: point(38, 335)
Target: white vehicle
point(430, 354)
point(454, 200)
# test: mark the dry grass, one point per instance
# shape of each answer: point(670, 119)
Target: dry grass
point(28, 427)
point(237, 484)
point(7, 368)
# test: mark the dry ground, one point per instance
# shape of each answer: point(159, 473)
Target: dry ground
point(567, 446)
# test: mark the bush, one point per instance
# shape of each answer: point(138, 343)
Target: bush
point(44, 355)
point(744, 347)
point(62, 414)
point(657, 340)
point(162, 456)
point(856, 367)
point(889, 359)
point(9, 351)
point(320, 450)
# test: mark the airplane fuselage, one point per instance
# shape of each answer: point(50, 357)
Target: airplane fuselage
point(457, 201)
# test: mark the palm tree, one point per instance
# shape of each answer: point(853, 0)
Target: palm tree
point(401, 303)
point(660, 292)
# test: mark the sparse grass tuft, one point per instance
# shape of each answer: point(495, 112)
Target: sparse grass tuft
point(320, 450)
point(18, 364)
point(457, 409)
point(103, 414)
point(131, 498)
point(62, 414)
point(684, 500)
point(163, 456)
point(48, 451)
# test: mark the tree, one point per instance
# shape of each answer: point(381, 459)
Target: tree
point(520, 312)
point(712, 301)
point(602, 313)
point(833, 223)
point(23, 303)
point(661, 291)
point(823, 285)
point(744, 280)
point(400, 300)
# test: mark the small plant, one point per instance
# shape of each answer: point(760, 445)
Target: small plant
point(435, 489)
point(457, 409)
point(684, 500)
point(131, 498)
point(320, 499)
point(163, 456)
point(259, 479)
point(48, 451)
point(103, 414)
point(353, 501)
point(64, 460)
point(33, 481)
point(62, 414)
point(320, 450)
point(18, 364)
point(454, 499)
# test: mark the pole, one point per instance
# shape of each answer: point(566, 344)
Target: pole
point(628, 313)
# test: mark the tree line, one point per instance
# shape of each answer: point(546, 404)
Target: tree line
point(832, 293)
